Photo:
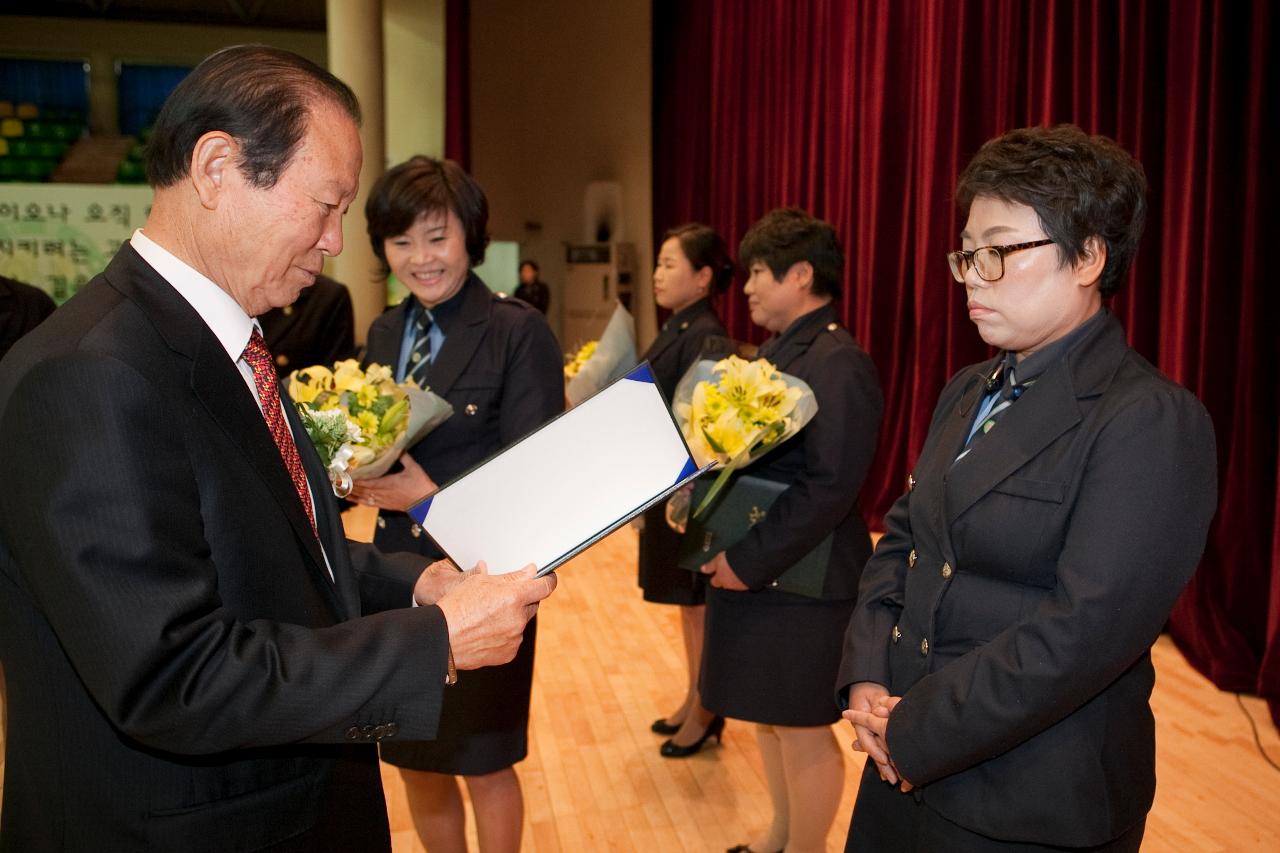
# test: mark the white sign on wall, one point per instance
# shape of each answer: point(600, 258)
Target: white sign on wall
point(58, 236)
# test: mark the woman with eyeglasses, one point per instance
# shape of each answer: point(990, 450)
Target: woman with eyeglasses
point(997, 667)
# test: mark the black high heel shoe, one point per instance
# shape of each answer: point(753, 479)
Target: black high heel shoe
point(670, 749)
point(662, 727)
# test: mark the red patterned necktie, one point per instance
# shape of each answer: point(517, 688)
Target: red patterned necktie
point(258, 357)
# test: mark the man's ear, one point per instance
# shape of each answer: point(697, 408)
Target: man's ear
point(212, 160)
point(1092, 260)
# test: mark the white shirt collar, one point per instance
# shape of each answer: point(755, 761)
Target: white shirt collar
point(222, 314)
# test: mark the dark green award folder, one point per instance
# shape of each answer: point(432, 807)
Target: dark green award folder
point(744, 502)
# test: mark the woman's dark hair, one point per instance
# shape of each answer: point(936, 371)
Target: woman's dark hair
point(1078, 185)
point(262, 96)
point(704, 247)
point(424, 185)
point(788, 235)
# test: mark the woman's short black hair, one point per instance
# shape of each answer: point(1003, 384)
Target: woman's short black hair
point(1078, 185)
point(262, 96)
point(424, 185)
point(704, 247)
point(788, 235)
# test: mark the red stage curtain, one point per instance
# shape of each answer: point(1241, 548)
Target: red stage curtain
point(457, 82)
point(865, 112)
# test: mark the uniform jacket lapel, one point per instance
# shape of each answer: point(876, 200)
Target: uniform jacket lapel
point(385, 335)
point(795, 342)
point(1049, 408)
point(461, 338)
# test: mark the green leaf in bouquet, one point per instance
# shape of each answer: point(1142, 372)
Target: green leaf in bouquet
point(394, 416)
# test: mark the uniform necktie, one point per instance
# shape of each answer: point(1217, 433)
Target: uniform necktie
point(258, 357)
point(420, 355)
point(1010, 391)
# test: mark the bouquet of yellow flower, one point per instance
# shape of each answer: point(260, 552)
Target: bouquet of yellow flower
point(362, 420)
point(734, 411)
point(573, 363)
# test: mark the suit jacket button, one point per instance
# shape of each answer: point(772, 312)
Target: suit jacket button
point(924, 646)
point(471, 408)
point(415, 530)
point(353, 733)
point(392, 729)
point(911, 482)
point(946, 570)
point(911, 559)
point(379, 732)
point(897, 633)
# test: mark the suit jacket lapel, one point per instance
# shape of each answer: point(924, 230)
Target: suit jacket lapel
point(217, 383)
point(342, 591)
point(796, 342)
point(462, 338)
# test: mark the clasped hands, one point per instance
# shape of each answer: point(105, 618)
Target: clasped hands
point(869, 708)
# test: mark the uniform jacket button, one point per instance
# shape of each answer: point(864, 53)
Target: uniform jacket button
point(911, 559)
point(415, 530)
point(471, 408)
point(924, 646)
point(897, 633)
point(946, 570)
point(831, 327)
point(382, 523)
point(773, 584)
point(911, 482)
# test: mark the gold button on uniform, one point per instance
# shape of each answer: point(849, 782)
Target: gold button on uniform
point(924, 646)
point(471, 408)
point(415, 531)
point(897, 633)
point(684, 325)
point(282, 360)
point(911, 559)
point(946, 570)
point(911, 482)
point(831, 327)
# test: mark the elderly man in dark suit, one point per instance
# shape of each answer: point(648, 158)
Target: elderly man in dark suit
point(196, 657)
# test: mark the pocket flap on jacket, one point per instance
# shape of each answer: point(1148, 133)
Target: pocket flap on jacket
point(1039, 490)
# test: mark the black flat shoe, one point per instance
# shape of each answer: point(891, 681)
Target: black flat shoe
point(662, 727)
point(670, 749)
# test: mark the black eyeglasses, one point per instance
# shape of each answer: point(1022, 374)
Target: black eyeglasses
point(987, 260)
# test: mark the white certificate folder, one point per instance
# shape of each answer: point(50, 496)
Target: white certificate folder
point(564, 486)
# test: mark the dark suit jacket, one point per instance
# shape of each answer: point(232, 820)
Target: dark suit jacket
point(181, 670)
point(1016, 593)
point(536, 294)
point(319, 328)
point(824, 464)
point(501, 369)
point(22, 308)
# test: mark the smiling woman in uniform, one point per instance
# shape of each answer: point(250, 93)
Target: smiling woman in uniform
point(496, 361)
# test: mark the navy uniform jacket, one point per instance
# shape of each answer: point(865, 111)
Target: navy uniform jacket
point(22, 308)
point(501, 369)
point(319, 328)
point(680, 343)
point(1016, 593)
point(825, 463)
point(182, 674)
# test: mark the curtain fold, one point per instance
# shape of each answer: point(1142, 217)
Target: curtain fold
point(864, 112)
point(457, 82)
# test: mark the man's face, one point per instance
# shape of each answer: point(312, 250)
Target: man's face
point(272, 243)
